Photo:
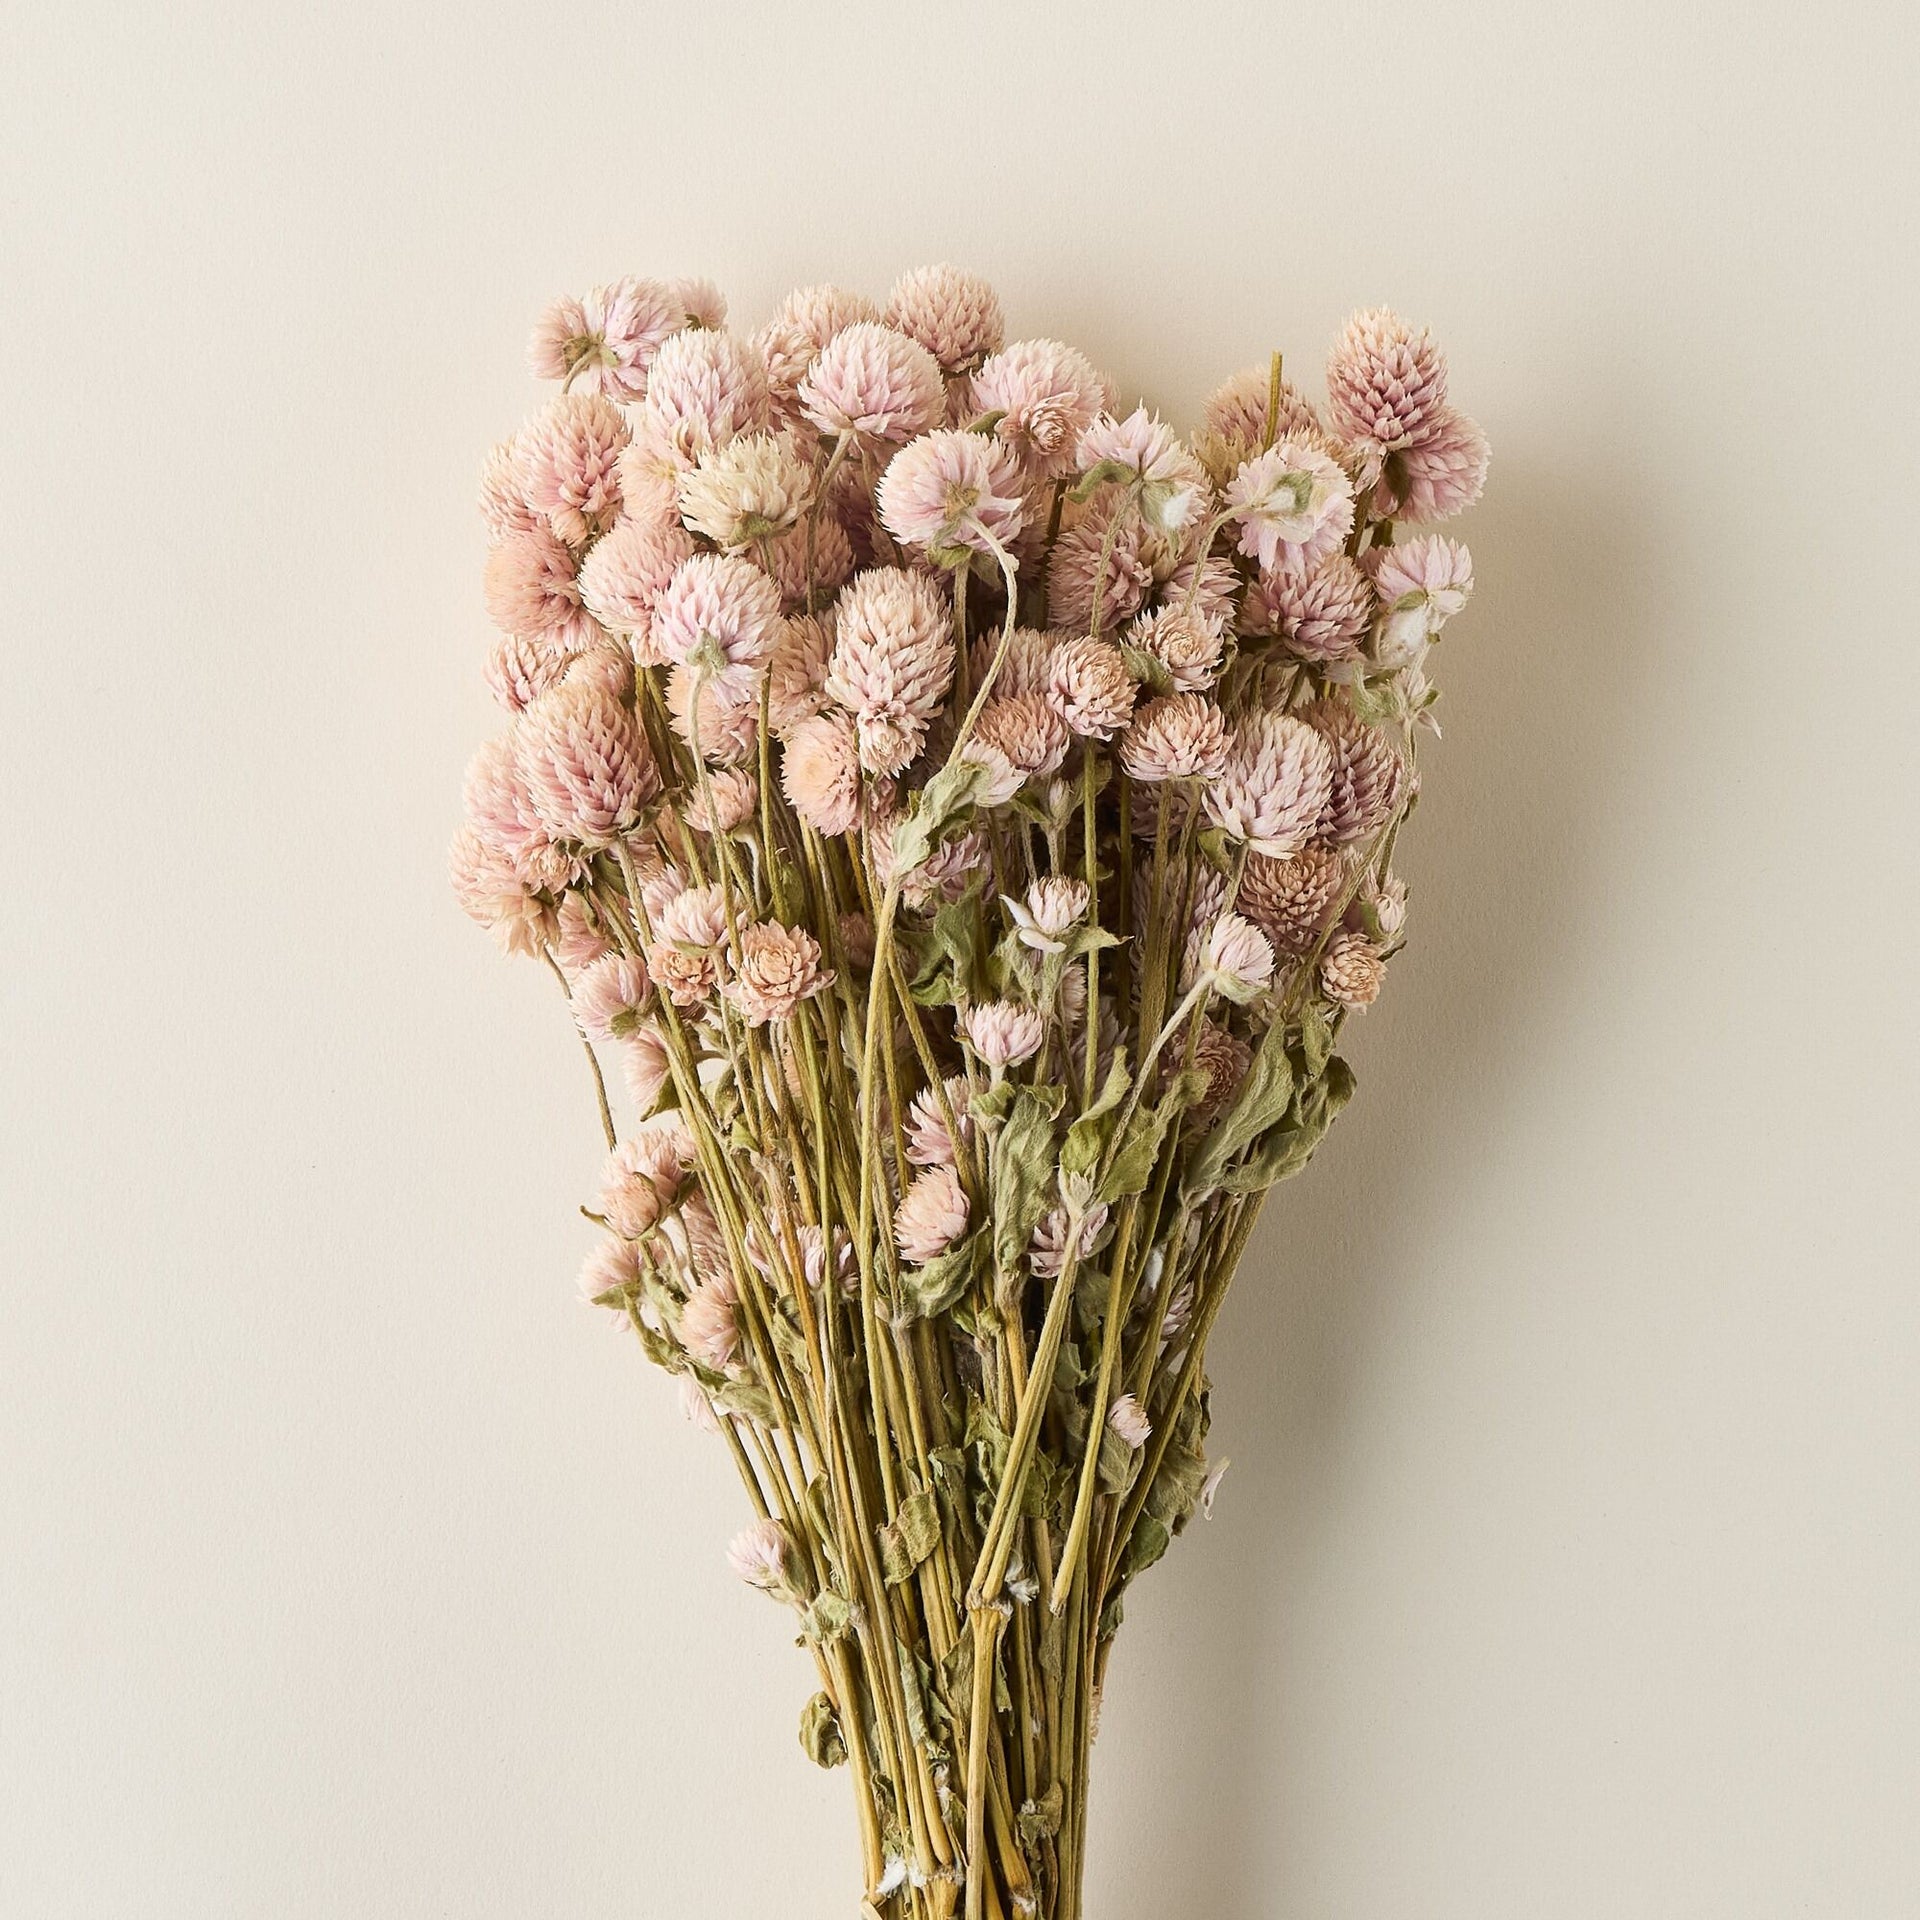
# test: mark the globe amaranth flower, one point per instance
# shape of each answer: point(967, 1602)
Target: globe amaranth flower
point(609, 995)
point(1003, 1032)
point(610, 1274)
point(709, 384)
point(1145, 455)
point(635, 1185)
point(710, 1322)
point(930, 1142)
point(520, 668)
point(499, 808)
point(955, 315)
point(1369, 776)
point(719, 604)
point(1180, 736)
point(1293, 505)
point(1054, 906)
point(931, 1216)
point(646, 1065)
point(725, 802)
point(792, 567)
point(689, 939)
point(587, 765)
point(1274, 785)
point(820, 772)
point(494, 896)
point(1438, 476)
point(1232, 957)
point(603, 342)
point(1128, 1418)
point(1188, 646)
point(1351, 971)
point(892, 662)
point(797, 670)
point(625, 573)
point(1046, 394)
point(952, 494)
point(504, 505)
point(1289, 900)
point(532, 587)
point(1322, 615)
point(752, 489)
point(1090, 686)
point(759, 1555)
point(1100, 575)
point(1386, 381)
point(778, 967)
point(1054, 1239)
point(1422, 584)
point(1028, 729)
point(569, 458)
point(1233, 421)
point(802, 324)
point(874, 385)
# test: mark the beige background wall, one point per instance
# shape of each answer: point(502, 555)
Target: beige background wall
point(1570, 1560)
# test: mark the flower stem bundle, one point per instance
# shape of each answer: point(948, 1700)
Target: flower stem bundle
point(961, 816)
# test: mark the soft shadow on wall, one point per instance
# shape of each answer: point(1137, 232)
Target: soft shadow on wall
point(1501, 872)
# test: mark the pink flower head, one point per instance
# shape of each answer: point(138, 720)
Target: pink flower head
point(717, 714)
point(1274, 786)
point(608, 996)
point(1232, 956)
point(779, 967)
point(931, 1215)
point(929, 1142)
point(500, 809)
point(1293, 504)
point(892, 662)
point(1440, 476)
point(1386, 383)
point(624, 575)
point(705, 387)
point(604, 342)
point(579, 937)
point(717, 600)
point(1089, 683)
point(955, 494)
point(1233, 423)
point(758, 1554)
point(689, 938)
point(820, 772)
point(1145, 454)
point(727, 802)
point(1369, 776)
point(646, 1065)
point(752, 489)
point(532, 587)
point(1351, 971)
point(1422, 584)
point(698, 301)
point(1054, 906)
point(786, 560)
point(1027, 728)
point(1055, 1239)
point(875, 385)
point(630, 1190)
point(1046, 395)
point(797, 671)
point(586, 764)
point(491, 894)
point(710, 1323)
point(1322, 615)
point(521, 668)
point(1186, 643)
point(1003, 1032)
point(610, 1274)
point(1128, 1418)
point(954, 315)
point(503, 495)
point(803, 323)
point(1099, 575)
point(1180, 736)
point(569, 459)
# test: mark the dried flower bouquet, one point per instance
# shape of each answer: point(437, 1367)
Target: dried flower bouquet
point(965, 814)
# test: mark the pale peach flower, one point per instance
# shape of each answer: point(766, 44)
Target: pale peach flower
point(954, 494)
point(491, 894)
point(1351, 971)
point(1046, 394)
point(645, 1065)
point(1145, 454)
point(1322, 615)
point(1002, 1032)
point(753, 488)
point(785, 559)
point(954, 315)
point(929, 1142)
point(1440, 476)
point(727, 802)
point(1180, 736)
point(1233, 422)
point(1054, 1239)
point(610, 1274)
point(710, 1323)
point(689, 940)
point(1289, 900)
point(999, 780)
point(721, 599)
point(586, 764)
point(1293, 505)
point(568, 458)
point(1089, 683)
point(1369, 776)
point(630, 1196)
point(624, 575)
point(931, 1215)
point(698, 301)
point(503, 495)
point(1028, 729)
point(695, 1408)
point(1205, 588)
point(532, 587)
point(499, 807)
point(579, 937)
point(820, 772)
point(602, 663)
point(608, 996)
point(875, 385)
point(892, 662)
point(1026, 667)
point(1100, 559)
point(605, 341)
point(1274, 786)
point(759, 1553)
point(1386, 383)
point(1189, 646)
point(778, 968)
point(1232, 957)
point(1128, 1418)
point(1054, 906)
point(797, 670)
point(802, 324)
point(1422, 584)
point(704, 388)
point(1223, 1057)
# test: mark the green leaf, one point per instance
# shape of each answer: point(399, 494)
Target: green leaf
point(1022, 1173)
point(1039, 1819)
point(1289, 1148)
point(952, 792)
point(1139, 1149)
point(948, 970)
point(1263, 1100)
point(750, 1401)
point(1147, 668)
point(828, 1619)
point(1316, 1041)
point(1147, 1542)
point(820, 1738)
point(931, 1289)
point(909, 1538)
point(1087, 1137)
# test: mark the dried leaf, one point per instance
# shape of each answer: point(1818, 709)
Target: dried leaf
point(910, 1537)
point(1023, 1173)
point(820, 1736)
point(1262, 1102)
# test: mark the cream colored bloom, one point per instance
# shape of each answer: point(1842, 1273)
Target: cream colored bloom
point(1052, 909)
point(752, 489)
point(759, 1555)
point(1351, 971)
point(1128, 1418)
point(931, 1216)
point(1274, 786)
point(1002, 1032)
point(778, 968)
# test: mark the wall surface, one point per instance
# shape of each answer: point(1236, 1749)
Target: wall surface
point(1570, 1560)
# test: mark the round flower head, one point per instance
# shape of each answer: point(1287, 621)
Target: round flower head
point(803, 323)
point(779, 967)
point(1274, 786)
point(718, 599)
point(1145, 454)
point(758, 1554)
point(786, 560)
point(820, 772)
point(1188, 646)
point(1028, 729)
point(1054, 1238)
point(1293, 505)
point(586, 763)
point(931, 1216)
point(624, 575)
point(1046, 395)
point(892, 662)
point(717, 714)
point(610, 1274)
point(1099, 575)
point(521, 668)
point(1321, 615)
point(1233, 422)
point(500, 809)
point(1003, 1033)
point(689, 936)
point(1289, 900)
point(710, 1323)
point(1351, 971)
point(709, 384)
point(1181, 736)
point(569, 461)
point(604, 343)
point(954, 494)
point(1026, 667)
point(492, 895)
point(1204, 587)
point(875, 385)
point(1422, 584)
point(532, 587)
point(503, 494)
point(751, 489)
point(1224, 1058)
point(1090, 686)
point(797, 671)
point(645, 1065)
point(1385, 906)
point(630, 1196)
point(954, 315)
point(1232, 957)
point(1438, 477)
point(1369, 777)
point(929, 1141)
point(1386, 383)
point(608, 996)
point(697, 301)
point(1052, 909)
point(579, 935)
point(603, 663)
point(999, 779)
point(1128, 1418)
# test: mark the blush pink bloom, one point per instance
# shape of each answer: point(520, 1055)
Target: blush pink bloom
point(875, 385)
point(718, 599)
point(1002, 1032)
point(1128, 1418)
point(610, 1274)
point(569, 460)
point(625, 574)
point(710, 1323)
point(1351, 971)
point(579, 938)
point(1047, 395)
point(1232, 956)
point(892, 662)
point(1293, 505)
point(1145, 454)
point(503, 495)
point(645, 1065)
point(1369, 776)
point(1422, 584)
point(689, 939)
point(586, 764)
point(521, 668)
point(1233, 422)
point(1028, 729)
point(1089, 684)
point(802, 324)
point(492, 895)
point(1180, 736)
point(1054, 906)
point(711, 384)
point(532, 587)
point(1386, 382)
point(1322, 615)
point(608, 996)
point(954, 494)
point(1274, 787)
point(604, 341)
point(1441, 475)
point(1027, 666)
point(1099, 576)
point(758, 1554)
point(929, 1142)
point(797, 670)
point(500, 809)
point(931, 1215)
point(1188, 645)
point(1289, 900)
point(698, 301)
point(955, 315)
point(727, 802)
point(778, 968)
point(717, 714)
point(753, 488)
point(820, 772)
point(629, 1201)
point(786, 559)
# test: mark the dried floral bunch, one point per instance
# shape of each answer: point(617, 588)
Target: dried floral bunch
point(964, 812)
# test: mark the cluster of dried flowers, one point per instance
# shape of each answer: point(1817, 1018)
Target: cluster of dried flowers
point(964, 811)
